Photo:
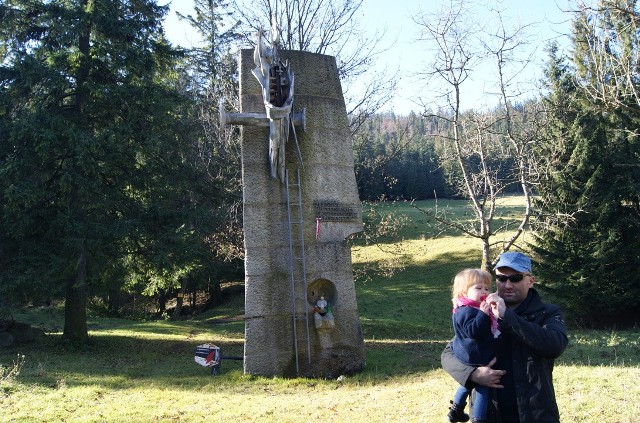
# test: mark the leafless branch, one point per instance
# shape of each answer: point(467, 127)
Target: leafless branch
point(475, 139)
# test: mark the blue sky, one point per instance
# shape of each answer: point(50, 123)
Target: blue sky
point(545, 20)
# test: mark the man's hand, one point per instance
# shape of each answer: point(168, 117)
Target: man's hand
point(498, 307)
point(487, 376)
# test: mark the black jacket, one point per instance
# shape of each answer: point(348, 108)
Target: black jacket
point(533, 335)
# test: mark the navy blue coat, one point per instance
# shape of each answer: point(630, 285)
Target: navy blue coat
point(473, 343)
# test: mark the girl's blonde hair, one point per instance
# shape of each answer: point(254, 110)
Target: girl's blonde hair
point(467, 278)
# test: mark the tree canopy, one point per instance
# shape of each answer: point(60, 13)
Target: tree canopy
point(97, 176)
point(590, 195)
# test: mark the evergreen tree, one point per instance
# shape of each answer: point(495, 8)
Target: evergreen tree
point(395, 158)
point(90, 163)
point(590, 195)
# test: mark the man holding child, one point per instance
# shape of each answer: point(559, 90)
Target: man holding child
point(533, 335)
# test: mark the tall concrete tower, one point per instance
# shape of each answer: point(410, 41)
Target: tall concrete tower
point(300, 303)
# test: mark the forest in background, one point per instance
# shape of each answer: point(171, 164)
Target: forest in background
point(404, 157)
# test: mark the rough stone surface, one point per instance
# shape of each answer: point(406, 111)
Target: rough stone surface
point(275, 302)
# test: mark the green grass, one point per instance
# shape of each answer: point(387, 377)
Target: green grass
point(143, 371)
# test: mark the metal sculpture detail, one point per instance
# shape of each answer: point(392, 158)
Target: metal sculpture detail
point(277, 81)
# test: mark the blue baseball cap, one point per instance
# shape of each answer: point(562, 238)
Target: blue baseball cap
point(514, 260)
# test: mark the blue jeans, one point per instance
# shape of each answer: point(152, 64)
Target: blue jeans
point(480, 401)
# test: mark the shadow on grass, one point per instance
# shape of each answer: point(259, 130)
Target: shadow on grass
point(415, 303)
point(406, 322)
point(117, 362)
point(602, 348)
point(388, 358)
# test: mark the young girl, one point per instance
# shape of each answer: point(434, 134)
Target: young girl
point(475, 329)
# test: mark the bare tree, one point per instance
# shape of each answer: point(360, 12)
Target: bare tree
point(328, 27)
point(489, 150)
point(519, 134)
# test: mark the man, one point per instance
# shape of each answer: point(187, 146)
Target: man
point(533, 335)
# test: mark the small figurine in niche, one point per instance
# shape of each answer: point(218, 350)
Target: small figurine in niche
point(322, 314)
point(322, 306)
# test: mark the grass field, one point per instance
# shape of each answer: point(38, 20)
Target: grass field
point(143, 371)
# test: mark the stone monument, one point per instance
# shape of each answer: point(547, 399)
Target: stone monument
point(300, 205)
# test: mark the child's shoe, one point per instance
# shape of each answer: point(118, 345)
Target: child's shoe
point(456, 413)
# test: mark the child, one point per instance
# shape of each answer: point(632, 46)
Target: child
point(475, 328)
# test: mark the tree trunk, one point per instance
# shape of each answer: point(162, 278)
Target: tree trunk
point(215, 293)
point(113, 302)
point(178, 310)
point(162, 301)
point(75, 309)
point(486, 257)
point(214, 297)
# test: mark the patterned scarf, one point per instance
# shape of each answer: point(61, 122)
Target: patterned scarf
point(466, 301)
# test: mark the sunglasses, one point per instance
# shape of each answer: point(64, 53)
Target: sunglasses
point(513, 278)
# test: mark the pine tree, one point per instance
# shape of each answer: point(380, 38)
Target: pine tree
point(590, 195)
point(90, 144)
